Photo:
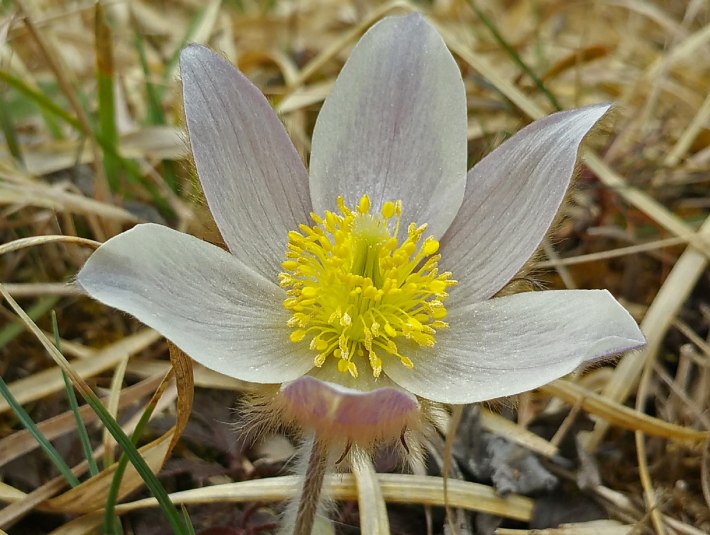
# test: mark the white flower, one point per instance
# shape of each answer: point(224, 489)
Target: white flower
point(364, 300)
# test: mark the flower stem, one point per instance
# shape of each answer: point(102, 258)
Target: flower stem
point(312, 486)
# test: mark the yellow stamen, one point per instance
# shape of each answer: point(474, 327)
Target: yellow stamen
point(353, 286)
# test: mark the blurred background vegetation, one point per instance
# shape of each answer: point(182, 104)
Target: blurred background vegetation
point(93, 142)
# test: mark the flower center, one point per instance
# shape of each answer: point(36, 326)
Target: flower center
point(353, 288)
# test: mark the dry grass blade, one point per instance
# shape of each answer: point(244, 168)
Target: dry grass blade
point(185, 381)
point(119, 372)
point(150, 142)
point(371, 503)
point(595, 527)
point(396, 488)
point(615, 253)
point(42, 289)
point(494, 423)
point(40, 240)
point(689, 134)
point(616, 414)
point(91, 494)
point(44, 196)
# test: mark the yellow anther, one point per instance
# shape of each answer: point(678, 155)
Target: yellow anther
point(343, 346)
point(309, 292)
point(330, 221)
point(388, 210)
point(347, 366)
point(414, 324)
point(375, 364)
point(430, 247)
point(439, 313)
point(422, 339)
point(370, 292)
point(295, 236)
point(438, 286)
point(341, 206)
point(318, 344)
point(298, 335)
point(352, 369)
point(367, 342)
point(364, 205)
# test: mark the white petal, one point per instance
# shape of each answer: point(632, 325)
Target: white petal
point(512, 196)
point(218, 311)
point(512, 344)
point(394, 126)
point(255, 183)
point(341, 414)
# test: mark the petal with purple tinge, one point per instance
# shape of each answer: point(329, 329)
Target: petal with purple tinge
point(254, 181)
point(221, 313)
point(341, 414)
point(512, 344)
point(394, 126)
point(512, 197)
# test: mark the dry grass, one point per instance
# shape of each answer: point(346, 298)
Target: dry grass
point(637, 223)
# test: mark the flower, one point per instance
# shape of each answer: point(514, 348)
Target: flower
point(369, 283)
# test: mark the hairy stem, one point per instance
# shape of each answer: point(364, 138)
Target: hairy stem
point(312, 485)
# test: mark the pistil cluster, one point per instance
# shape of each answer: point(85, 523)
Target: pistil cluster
point(354, 289)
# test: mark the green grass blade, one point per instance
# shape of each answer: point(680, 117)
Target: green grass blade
point(8, 129)
point(110, 505)
point(36, 311)
point(53, 125)
point(40, 99)
point(186, 518)
point(106, 98)
point(45, 444)
point(155, 113)
point(170, 175)
point(74, 406)
point(515, 56)
point(80, 427)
